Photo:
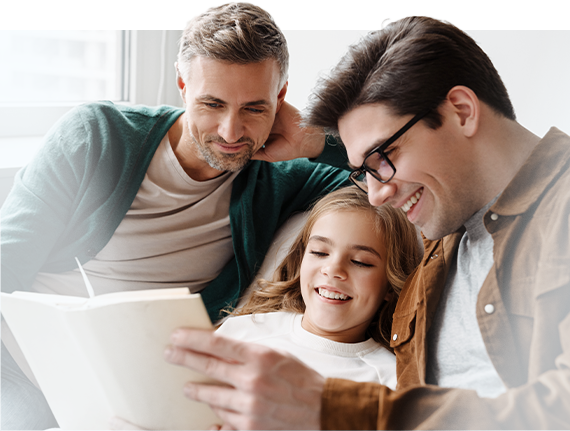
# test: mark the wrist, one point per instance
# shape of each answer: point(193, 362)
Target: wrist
point(314, 143)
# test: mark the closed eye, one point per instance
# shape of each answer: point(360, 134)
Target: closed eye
point(362, 264)
point(318, 253)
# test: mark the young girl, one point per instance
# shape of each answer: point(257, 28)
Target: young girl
point(331, 301)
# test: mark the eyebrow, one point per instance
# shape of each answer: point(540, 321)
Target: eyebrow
point(257, 103)
point(209, 97)
point(328, 241)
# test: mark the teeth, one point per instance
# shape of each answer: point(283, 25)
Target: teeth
point(332, 295)
point(413, 200)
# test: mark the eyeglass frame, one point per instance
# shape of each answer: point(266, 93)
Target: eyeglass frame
point(363, 169)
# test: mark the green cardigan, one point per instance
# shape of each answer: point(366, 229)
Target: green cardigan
point(69, 200)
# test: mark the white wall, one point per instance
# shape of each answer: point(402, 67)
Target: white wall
point(528, 41)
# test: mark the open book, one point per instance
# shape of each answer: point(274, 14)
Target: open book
point(102, 357)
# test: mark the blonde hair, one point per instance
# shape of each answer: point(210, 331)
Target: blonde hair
point(283, 292)
point(239, 33)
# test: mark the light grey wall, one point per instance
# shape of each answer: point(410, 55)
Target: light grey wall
point(529, 43)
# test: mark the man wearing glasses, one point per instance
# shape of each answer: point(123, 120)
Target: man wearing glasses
point(482, 328)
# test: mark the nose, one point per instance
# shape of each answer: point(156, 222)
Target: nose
point(231, 127)
point(379, 193)
point(334, 269)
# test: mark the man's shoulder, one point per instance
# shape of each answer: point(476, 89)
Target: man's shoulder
point(293, 168)
point(96, 124)
point(116, 111)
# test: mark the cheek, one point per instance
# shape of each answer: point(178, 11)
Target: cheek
point(259, 131)
point(203, 122)
point(377, 287)
point(304, 275)
point(260, 123)
point(307, 274)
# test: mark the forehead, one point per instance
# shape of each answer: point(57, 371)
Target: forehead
point(349, 227)
point(253, 81)
point(366, 127)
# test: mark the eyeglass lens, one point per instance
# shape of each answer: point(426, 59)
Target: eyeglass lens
point(359, 180)
point(378, 166)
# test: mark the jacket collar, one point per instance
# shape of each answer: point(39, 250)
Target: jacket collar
point(545, 163)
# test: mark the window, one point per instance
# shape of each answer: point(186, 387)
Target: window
point(46, 73)
point(59, 53)
point(62, 66)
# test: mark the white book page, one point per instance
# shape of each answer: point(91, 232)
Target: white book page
point(142, 387)
point(59, 366)
point(98, 362)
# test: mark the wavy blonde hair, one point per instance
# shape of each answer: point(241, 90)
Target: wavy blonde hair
point(283, 292)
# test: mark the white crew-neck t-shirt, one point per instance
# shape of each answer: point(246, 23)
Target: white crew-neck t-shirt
point(367, 361)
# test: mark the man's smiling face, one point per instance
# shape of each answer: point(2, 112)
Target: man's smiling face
point(230, 109)
point(435, 178)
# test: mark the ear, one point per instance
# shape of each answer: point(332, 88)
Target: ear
point(180, 83)
point(281, 96)
point(465, 107)
point(390, 295)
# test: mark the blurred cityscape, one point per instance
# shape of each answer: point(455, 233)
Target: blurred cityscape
point(61, 66)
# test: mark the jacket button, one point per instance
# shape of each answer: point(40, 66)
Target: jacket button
point(395, 337)
point(489, 308)
point(494, 217)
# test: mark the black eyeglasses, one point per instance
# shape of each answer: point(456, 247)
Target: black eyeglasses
point(377, 163)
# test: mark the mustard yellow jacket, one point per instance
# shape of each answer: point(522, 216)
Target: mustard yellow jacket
point(523, 310)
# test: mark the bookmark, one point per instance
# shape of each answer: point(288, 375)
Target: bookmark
point(86, 280)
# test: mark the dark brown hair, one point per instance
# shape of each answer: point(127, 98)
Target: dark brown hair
point(239, 33)
point(283, 293)
point(410, 66)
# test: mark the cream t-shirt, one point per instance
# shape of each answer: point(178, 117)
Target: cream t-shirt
point(175, 234)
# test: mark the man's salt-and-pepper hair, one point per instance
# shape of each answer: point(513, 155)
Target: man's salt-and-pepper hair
point(239, 33)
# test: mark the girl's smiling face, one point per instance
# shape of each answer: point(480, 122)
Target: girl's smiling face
point(343, 275)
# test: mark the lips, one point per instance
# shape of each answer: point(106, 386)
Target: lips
point(230, 148)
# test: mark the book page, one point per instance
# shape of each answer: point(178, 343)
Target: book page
point(94, 363)
point(59, 366)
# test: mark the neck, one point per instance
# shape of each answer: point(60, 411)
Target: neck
point(506, 147)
